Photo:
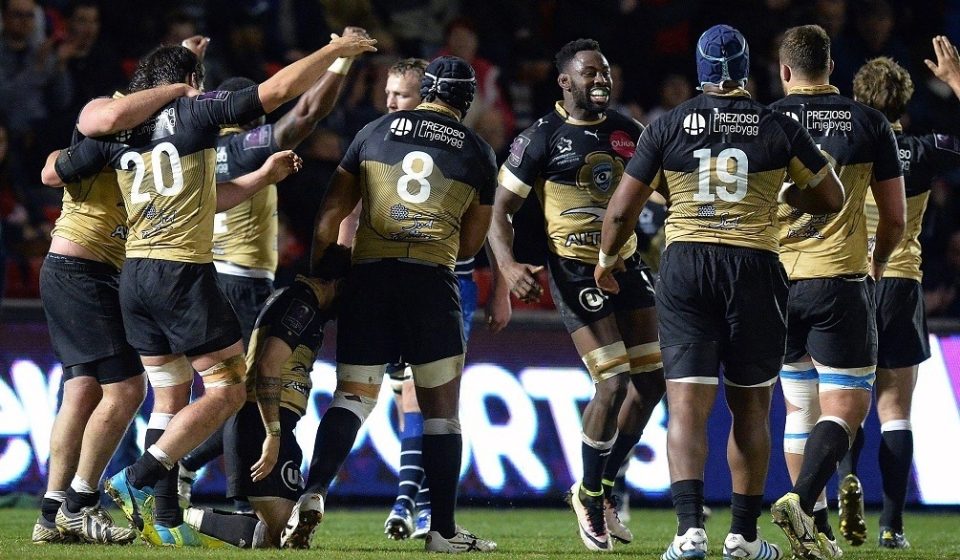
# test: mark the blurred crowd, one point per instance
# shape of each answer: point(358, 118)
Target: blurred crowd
point(57, 54)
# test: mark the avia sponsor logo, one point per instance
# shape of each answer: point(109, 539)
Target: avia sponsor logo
point(439, 132)
point(622, 143)
point(827, 121)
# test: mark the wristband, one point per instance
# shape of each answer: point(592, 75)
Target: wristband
point(273, 429)
point(607, 261)
point(341, 66)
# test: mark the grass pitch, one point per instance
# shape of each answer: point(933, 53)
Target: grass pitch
point(357, 534)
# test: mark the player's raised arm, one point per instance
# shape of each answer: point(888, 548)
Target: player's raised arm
point(317, 102)
point(106, 115)
point(296, 78)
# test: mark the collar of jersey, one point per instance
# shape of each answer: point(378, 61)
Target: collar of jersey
point(736, 92)
point(570, 120)
point(427, 106)
point(813, 90)
point(896, 126)
point(227, 130)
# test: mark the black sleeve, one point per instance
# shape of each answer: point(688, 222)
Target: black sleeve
point(487, 187)
point(214, 109)
point(245, 152)
point(295, 319)
point(81, 160)
point(528, 154)
point(944, 152)
point(647, 160)
point(354, 155)
point(887, 162)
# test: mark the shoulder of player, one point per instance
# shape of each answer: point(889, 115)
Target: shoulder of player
point(615, 119)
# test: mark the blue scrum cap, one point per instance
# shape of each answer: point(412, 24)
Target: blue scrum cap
point(722, 55)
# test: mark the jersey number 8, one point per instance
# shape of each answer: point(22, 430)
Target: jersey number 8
point(411, 175)
point(140, 168)
point(737, 177)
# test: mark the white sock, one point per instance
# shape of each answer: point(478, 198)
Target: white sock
point(81, 486)
point(159, 455)
point(56, 495)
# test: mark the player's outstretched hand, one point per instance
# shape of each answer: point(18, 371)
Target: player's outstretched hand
point(268, 458)
point(947, 66)
point(522, 280)
point(352, 45)
point(197, 45)
point(353, 31)
point(281, 165)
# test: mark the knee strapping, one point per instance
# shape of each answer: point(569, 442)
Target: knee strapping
point(800, 391)
point(645, 358)
point(437, 373)
point(836, 379)
point(229, 372)
point(441, 426)
point(607, 361)
point(359, 405)
point(170, 374)
point(367, 375)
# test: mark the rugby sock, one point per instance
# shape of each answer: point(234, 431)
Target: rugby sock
point(166, 501)
point(441, 466)
point(51, 503)
point(827, 444)
point(594, 455)
point(237, 530)
point(621, 449)
point(849, 463)
point(896, 459)
point(423, 496)
point(81, 495)
point(688, 503)
point(745, 510)
point(335, 436)
point(207, 451)
point(821, 518)
point(411, 468)
point(148, 469)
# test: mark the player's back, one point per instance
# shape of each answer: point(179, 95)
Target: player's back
point(922, 158)
point(859, 142)
point(721, 161)
point(420, 172)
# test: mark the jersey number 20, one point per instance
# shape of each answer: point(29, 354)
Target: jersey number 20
point(140, 167)
point(727, 158)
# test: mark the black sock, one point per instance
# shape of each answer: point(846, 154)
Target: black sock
point(688, 503)
point(335, 436)
point(166, 502)
point(237, 530)
point(441, 466)
point(896, 459)
point(827, 444)
point(48, 509)
point(147, 470)
point(745, 510)
point(594, 462)
point(821, 518)
point(622, 448)
point(848, 465)
point(77, 500)
point(207, 451)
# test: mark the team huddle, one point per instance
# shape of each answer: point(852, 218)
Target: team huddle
point(792, 254)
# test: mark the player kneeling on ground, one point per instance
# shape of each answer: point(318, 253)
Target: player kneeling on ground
point(262, 456)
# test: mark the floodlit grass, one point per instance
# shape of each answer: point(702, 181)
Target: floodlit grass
point(520, 533)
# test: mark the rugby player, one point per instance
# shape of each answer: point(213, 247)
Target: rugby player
point(426, 185)
point(903, 342)
point(831, 351)
point(245, 236)
point(177, 318)
point(103, 377)
point(573, 158)
point(720, 160)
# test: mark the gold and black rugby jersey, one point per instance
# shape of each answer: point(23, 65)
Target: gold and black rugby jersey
point(860, 144)
point(246, 235)
point(922, 158)
point(720, 161)
point(419, 172)
point(166, 171)
point(293, 315)
point(573, 166)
